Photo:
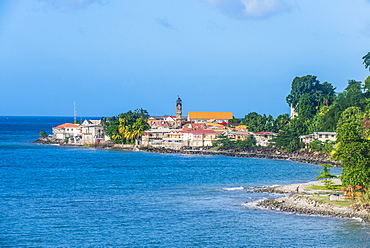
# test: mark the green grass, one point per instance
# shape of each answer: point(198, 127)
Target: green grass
point(324, 199)
point(316, 187)
point(214, 148)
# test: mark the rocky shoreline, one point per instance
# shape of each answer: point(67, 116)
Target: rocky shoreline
point(302, 203)
point(302, 156)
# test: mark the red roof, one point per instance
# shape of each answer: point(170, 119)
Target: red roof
point(61, 126)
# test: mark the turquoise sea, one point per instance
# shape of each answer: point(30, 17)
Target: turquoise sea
point(54, 196)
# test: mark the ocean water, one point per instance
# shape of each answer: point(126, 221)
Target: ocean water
point(54, 196)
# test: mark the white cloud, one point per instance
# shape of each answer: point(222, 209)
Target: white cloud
point(251, 9)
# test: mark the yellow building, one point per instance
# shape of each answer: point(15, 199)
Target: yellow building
point(214, 117)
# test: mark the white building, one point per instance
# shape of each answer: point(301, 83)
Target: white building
point(67, 131)
point(321, 136)
point(264, 138)
point(92, 132)
point(154, 137)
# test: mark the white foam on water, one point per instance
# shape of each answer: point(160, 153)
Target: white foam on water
point(233, 188)
point(253, 204)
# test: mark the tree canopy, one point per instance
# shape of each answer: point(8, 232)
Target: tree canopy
point(127, 127)
point(353, 151)
point(307, 95)
point(366, 59)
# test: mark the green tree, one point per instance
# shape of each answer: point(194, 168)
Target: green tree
point(139, 127)
point(43, 134)
point(353, 151)
point(281, 122)
point(351, 114)
point(317, 123)
point(288, 139)
point(353, 95)
point(224, 142)
point(247, 143)
point(366, 59)
point(307, 95)
point(258, 123)
point(306, 106)
point(126, 127)
point(325, 174)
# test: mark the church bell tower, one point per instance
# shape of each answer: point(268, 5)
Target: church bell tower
point(178, 113)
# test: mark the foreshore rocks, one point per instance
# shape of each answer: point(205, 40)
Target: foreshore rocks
point(254, 152)
point(300, 204)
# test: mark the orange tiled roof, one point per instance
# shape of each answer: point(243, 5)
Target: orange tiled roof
point(61, 126)
point(210, 115)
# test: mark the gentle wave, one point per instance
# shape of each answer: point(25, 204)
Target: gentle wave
point(233, 188)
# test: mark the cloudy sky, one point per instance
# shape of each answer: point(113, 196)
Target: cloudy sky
point(111, 56)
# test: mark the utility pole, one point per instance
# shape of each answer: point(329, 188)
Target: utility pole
point(74, 113)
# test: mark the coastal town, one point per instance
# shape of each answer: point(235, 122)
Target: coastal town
point(196, 129)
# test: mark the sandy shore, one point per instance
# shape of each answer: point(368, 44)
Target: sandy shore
point(304, 202)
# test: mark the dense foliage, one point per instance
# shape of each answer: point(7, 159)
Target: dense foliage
point(353, 151)
point(224, 142)
point(366, 59)
point(126, 127)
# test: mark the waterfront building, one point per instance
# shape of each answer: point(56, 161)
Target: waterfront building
point(198, 138)
point(67, 131)
point(264, 138)
point(321, 136)
point(92, 132)
point(193, 126)
point(154, 137)
point(157, 123)
point(194, 138)
point(238, 135)
point(89, 132)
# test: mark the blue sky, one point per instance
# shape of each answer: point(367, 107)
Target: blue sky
point(111, 56)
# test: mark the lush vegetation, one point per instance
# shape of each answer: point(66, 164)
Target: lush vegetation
point(43, 134)
point(127, 127)
point(224, 142)
point(326, 175)
point(320, 109)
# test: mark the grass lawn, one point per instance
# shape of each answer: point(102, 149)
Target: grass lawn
point(325, 199)
point(316, 187)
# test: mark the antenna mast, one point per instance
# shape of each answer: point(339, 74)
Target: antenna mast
point(74, 113)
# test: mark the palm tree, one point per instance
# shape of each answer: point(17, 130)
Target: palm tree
point(140, 126)
point(366, 59)
point(129, 133)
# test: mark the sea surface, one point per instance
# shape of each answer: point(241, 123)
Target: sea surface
point(53, 196)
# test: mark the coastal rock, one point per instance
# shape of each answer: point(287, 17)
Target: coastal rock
point(301, 204)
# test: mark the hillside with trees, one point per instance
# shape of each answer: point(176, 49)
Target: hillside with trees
point(318, 108)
